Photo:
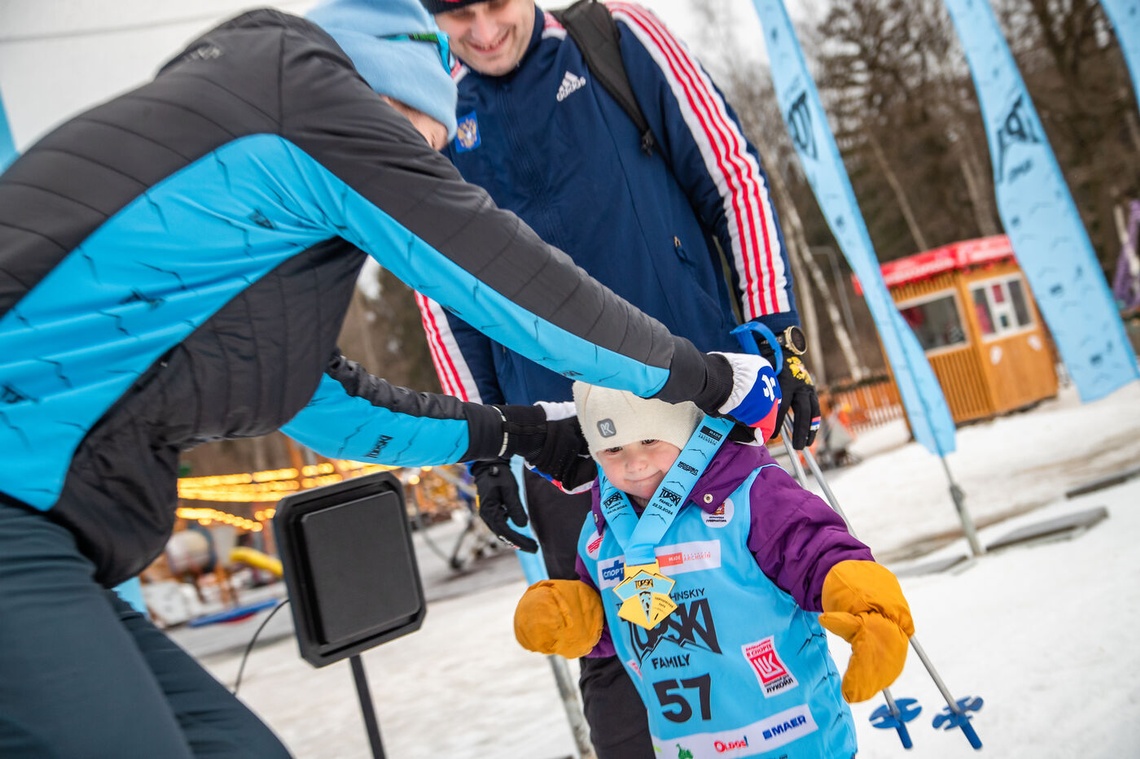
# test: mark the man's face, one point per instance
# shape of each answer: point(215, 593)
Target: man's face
point(492, 36)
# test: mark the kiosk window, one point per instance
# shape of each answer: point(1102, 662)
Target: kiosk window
point(936, 322)
point(1001, 307)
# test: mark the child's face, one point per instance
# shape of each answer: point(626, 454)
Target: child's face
point(638, 468)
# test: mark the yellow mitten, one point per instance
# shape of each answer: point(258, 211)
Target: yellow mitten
point(864, 605)
point(561, 617)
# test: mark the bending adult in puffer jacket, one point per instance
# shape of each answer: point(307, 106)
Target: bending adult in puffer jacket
point(175, 266)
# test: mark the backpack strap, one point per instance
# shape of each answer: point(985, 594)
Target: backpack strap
point(594, 30)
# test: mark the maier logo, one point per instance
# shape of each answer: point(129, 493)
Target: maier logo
point(786, 726)
point(378, 446)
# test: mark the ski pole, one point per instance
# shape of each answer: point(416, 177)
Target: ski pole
point(897, 718)
point(956, 716)
point(890, 715)
point(894, 716)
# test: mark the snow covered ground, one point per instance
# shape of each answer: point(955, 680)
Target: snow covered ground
point(1044, 633)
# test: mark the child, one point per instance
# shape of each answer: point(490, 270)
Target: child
point(718, 623)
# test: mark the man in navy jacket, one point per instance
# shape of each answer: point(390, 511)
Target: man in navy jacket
point(543, 137)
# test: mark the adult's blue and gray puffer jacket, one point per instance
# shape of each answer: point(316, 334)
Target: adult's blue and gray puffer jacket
point(175, 266)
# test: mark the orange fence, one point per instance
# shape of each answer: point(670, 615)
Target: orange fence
point(859, 407)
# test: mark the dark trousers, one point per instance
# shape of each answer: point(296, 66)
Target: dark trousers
point(84, 675)
point(619, 728)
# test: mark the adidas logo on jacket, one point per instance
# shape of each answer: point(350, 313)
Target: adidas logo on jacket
point(570, 84)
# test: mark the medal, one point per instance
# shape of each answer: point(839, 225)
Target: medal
point(645, 595)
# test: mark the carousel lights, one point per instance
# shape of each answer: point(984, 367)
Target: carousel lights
point(231, 496)
point(207, 516)
point(217, 480)
point(275, 474)
point(314, 482)
point(325, 467)
point(271, 485)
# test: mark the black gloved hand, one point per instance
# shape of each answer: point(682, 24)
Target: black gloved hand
point(555, 449)
point(499, 501)
point(798, 394)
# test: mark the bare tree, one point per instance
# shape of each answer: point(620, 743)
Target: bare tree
point(1072, 65)
point(751, 94)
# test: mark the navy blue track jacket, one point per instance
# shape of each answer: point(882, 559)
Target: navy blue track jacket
point(176, 264)
point(549, 143)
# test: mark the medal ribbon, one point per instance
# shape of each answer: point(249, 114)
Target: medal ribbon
point(645, 590)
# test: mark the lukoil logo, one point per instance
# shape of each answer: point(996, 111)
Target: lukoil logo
point(769, 669)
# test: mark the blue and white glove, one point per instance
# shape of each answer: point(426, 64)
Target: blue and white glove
point(755, 396)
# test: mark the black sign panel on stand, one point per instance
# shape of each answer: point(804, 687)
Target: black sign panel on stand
point(351, 572)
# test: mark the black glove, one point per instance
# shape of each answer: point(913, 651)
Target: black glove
point(798, 394)
point(555, 449)
point(499, 501)
point(800, 397)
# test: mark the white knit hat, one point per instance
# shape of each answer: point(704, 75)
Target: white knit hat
point(614, 418)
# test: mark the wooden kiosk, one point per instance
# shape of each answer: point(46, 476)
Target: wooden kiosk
point(974, 315)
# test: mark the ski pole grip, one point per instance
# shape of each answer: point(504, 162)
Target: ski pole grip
point(751, 345)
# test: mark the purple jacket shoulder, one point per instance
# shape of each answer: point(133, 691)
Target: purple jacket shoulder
point(796, 537)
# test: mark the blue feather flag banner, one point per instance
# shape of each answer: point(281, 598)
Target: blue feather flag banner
point(922, 398)
point(1039, 215)
point(1125, 18)
point(7, 146)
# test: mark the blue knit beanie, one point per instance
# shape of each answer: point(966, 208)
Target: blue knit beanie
point(406, 70)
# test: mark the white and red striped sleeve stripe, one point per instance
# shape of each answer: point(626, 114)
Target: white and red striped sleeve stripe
point(454, 375)
point(756, 253)
point(552, 27)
